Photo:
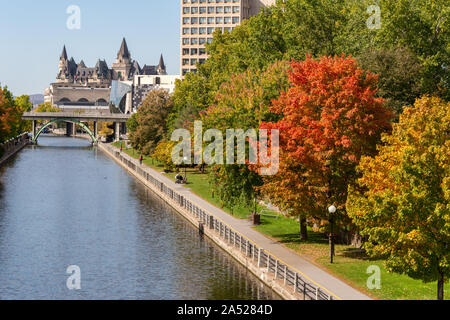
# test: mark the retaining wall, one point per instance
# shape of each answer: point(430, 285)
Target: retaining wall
point(13, 146)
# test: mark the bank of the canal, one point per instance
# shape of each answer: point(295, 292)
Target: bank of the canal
point(13, 146)
point(63, 202)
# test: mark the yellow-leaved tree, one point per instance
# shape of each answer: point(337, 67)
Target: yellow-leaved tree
point(401, 203)
point(163, 153)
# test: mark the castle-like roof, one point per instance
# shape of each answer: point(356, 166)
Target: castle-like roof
point(102, 68)
point(72, 66)
point(70, 69)
point(161, 63)
point(123, 52)
point(135, 68)
point(64, 53)
point(148, 70)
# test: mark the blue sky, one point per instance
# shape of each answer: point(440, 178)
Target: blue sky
point(33, 34)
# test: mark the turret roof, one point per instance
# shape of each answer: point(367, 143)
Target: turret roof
point(123, 52)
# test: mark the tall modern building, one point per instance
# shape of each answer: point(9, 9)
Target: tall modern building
point(199, 20)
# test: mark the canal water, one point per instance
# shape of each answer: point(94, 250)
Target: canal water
point(64, 203)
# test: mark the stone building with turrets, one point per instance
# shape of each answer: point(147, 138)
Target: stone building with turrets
point(80, 86)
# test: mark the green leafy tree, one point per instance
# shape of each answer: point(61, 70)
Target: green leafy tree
point(191, 96)
point(47, 107)
point(243, 103)
point(24, 104)
point(401, 203)
point(399, 75)
point(132, 123)
point(422, 26)
point(151, 121)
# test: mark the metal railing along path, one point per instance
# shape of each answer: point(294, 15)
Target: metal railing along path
point(12, 145)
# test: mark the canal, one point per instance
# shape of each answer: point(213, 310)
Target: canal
point(65, 203)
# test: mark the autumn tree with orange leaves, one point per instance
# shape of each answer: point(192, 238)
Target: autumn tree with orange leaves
point(331, 117)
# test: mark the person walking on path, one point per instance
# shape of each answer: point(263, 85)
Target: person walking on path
point(141, 158)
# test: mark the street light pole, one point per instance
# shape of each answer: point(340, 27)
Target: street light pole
point(185, 173)
point(332, 211)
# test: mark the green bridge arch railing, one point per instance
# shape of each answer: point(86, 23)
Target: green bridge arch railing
point(75, 122)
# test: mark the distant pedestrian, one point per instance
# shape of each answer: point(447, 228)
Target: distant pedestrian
point(121, 147)
point(141, 159)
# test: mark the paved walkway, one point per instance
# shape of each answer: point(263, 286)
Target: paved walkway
point(332, 284)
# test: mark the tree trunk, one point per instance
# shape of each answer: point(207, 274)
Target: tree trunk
point(441, 286)
point(303, 229)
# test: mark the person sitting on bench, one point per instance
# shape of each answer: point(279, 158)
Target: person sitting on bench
point(179, 179)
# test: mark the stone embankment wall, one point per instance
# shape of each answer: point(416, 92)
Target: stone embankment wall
point(12, 146)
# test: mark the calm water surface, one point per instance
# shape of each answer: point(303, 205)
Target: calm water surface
point(64, 203)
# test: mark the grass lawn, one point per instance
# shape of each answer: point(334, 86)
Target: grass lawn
point(350, 264)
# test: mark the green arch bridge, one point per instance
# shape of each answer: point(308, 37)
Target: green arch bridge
point(75, 119)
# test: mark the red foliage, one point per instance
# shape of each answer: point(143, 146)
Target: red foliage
point(331, 118)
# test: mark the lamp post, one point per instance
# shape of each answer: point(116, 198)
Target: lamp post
point(332, 210)
point(185, 173)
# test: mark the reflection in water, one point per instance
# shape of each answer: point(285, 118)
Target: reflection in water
point(65, 203)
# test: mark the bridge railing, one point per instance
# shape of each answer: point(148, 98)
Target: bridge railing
point(296, 280)
point(101, 116)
